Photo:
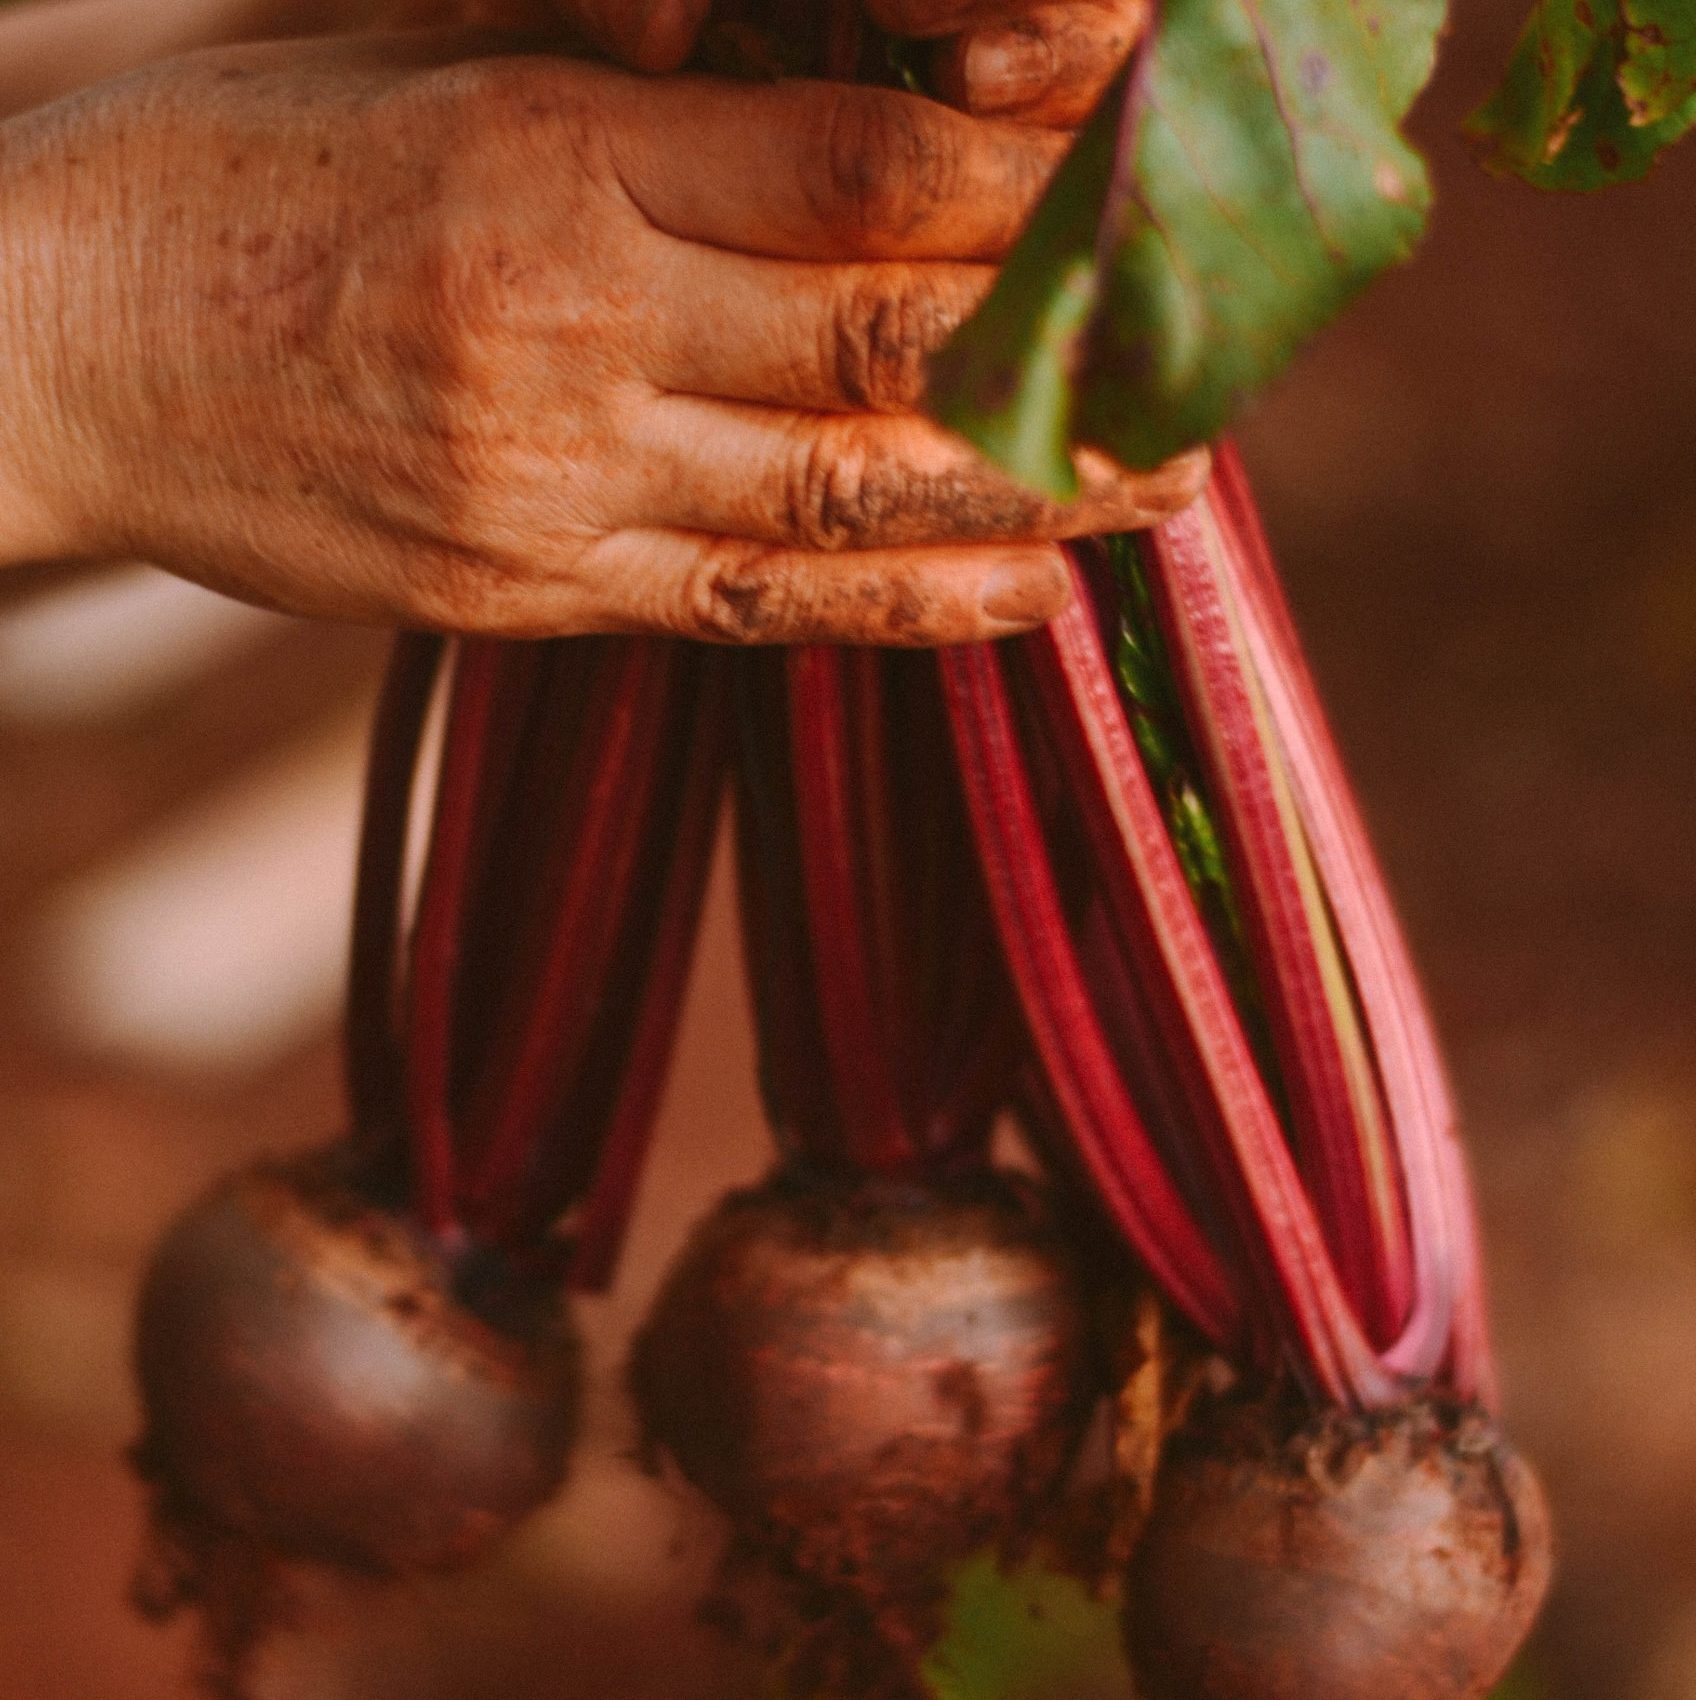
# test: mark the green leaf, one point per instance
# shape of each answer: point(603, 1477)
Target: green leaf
point(1594, 91)
point(1264, 183)
point(1026, 1634)
point(1658, 77)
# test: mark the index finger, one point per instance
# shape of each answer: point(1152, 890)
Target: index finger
point(820, 171)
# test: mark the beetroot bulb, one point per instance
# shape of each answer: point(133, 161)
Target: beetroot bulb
point(1232, 1045)
point(876, 1362)
point(363, 1357)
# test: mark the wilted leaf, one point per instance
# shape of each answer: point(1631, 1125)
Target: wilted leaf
point(1241, 184)
point(1594, 91)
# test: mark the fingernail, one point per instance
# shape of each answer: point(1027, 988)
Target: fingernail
point(1026, 590)
point(1005, 69)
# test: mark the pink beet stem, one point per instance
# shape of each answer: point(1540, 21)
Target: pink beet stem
point(1336, 1117)
point(1403, 1039)
point(539, 1039)
point(437, 932)
point(371, 1036)
point(690, 829)
point(1079, 1069)
point(1144, 887)
point(833, 837)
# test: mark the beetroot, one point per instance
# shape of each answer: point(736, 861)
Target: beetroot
point(1400, 1555)
point(316, 1379)
point(320, 1385)
point(878, 1361)
point(871, 1380)
point(363, 1359)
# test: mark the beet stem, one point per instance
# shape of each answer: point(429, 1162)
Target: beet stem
point(1082, 1074)
point(438, 933)
point(546, 1021)
point(834, 834)
point(371, 1037)
point(690, 835)
point(1422, 1116)
point(1144, 886)
point(1336, 1118)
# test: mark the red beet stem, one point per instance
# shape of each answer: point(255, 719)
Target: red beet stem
point(885, 1025)
point(1167, 943)
point(955, 1024)
point(437, 933)
point(505, 856)
point(689, 836)
point(371, 1039)
point(831, 742)
point(1081, 1072)
point(1445, 1261)
point(1335, 1119)
point(539, 1039)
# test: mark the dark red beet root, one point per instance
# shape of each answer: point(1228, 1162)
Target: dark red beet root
point(869, 1379)
point(314, 1388)
point(1397, 1557)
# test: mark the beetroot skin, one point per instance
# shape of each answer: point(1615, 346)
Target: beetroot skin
point(1401, 1556)
point(314, 1388)
point(869, 1378)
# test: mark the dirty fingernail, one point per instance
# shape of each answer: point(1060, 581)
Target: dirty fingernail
point(1026, 589)
point(1007, 68)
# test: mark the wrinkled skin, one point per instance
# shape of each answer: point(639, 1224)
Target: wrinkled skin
point(319, 342)
point(1401, 1558)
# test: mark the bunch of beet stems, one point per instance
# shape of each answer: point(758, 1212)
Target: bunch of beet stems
point(1229, 1033)
point(886, 1024)
point(509, 1054)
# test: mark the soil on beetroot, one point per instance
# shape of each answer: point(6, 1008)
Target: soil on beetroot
point(871, 1380)
point(1290, 1557)
point(315, 1388)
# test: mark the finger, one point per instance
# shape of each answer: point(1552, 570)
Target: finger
point(724, 591)
point(1049, 66)
point(803, 170)
point(857, 481)
point(644, 35)
point(804, 336)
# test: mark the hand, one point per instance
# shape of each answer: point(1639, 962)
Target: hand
point(527, 346)
point(1043, 62)
point(1047, 62)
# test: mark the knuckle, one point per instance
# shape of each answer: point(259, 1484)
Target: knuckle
point(838, 497)
point(735, 595)
point(881, 339)
point(852, 487)
point(889, 161)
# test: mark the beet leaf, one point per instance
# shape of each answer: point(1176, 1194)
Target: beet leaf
point(1594, 91)
point(1242, 182)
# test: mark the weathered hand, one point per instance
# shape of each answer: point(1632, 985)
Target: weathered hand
point(1041, 61)
point(523, 345)
point(1046, 62)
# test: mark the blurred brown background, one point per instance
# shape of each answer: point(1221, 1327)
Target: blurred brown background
point(1483, 485)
